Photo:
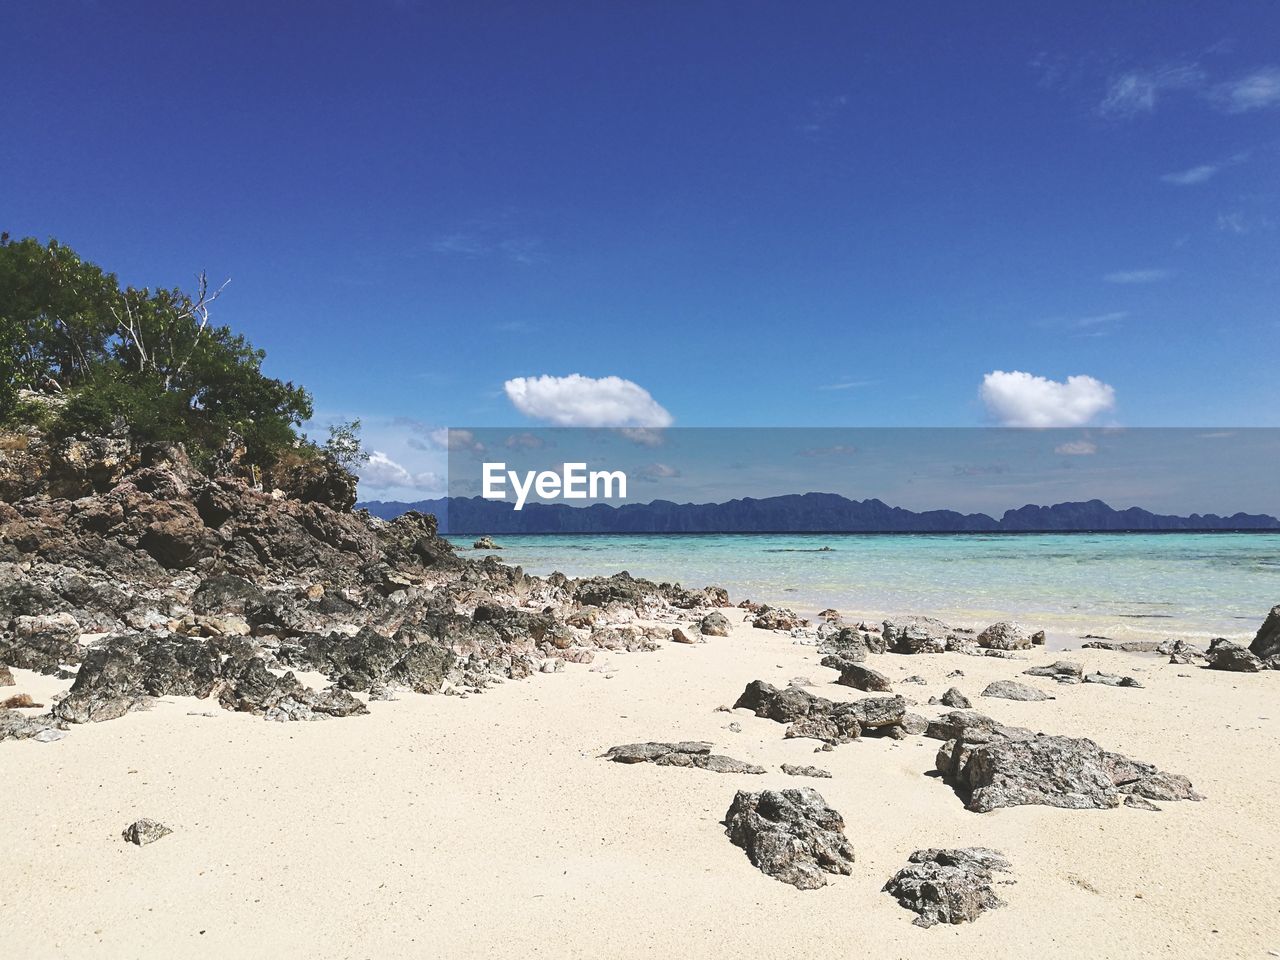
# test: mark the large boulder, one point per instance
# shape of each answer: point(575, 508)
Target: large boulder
point(714, 624)
point(1266, 645)
point(791, 835)
point(995, 770)
point(916, 635)
point(863, 678)
point(1005, 635)
point(827, 720)
point(948, 886)
point(1225, 655)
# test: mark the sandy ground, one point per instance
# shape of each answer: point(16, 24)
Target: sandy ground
point(487, 826)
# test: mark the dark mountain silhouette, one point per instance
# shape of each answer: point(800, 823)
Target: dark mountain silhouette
point(797, 513)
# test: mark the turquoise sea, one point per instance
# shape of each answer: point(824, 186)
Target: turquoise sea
point(1123, 586)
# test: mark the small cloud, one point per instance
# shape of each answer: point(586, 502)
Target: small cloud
point(1100, 319)
point(1077, 448)
point(849, 385)
point(456, 441)
point(1138, 276)
point(655, 472)
point(578, 401)
point(524, 441)
point(837, 450)
point(979, 469)
point(499, 237)
point(1253, 91)
point(1192, 175)
point(1019, 399)
point(1138, 91)
point(383, 473)
point(644, 436)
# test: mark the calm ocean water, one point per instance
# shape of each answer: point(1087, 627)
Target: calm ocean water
point(1124, 586)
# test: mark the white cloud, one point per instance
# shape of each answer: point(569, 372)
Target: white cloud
point(578, 401)
point(1138, 276)
point(1138, 91)
point(1254, 91)
point(383, 473)
point(1192, 175)
point(456, 441)
point(849, 385)
point(1019, 399)
point(1077, 448)
point(658, 471)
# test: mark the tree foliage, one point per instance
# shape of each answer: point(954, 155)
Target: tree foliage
point(148, 360)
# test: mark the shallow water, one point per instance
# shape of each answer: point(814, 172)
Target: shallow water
point(1124, 586)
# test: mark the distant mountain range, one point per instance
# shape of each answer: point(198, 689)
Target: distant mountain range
point(797, 513)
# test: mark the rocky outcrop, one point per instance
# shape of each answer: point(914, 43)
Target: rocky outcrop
point(1005, 635)
point(790, 835)
point(1006, 767)
point(827, 720)
point(948, 886)
point(1266, 644)
point(1013, 690)
point(686, 753)
point(20, 726)
point(1225, 655)
point(485, 543)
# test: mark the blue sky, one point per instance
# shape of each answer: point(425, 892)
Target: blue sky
point(750, 214)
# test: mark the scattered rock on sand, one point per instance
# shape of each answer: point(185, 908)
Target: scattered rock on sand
point(948, 886)
point(777, 618)
point(22, 726)
point(822, 719)
point(1013, 690)
point(803, 770)
point(1121, 646)
point(1064, 671)
point(791, 835)
point(6, 676)
point(1005, 635)
point(683, 635)
point(1140, 803)
point(863, 678)
point(715, 624)
point(145, 831)
point(954, 698)
point(1004, 767)
point(1225, 655)
point(686, 753)
point(1111, 679)
point(1181, 652)
point(20, 701)
point(916, 635)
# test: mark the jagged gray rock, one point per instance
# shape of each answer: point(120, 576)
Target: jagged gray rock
point(685, 753)
point(714, 624)
point(1005, 635)
point(1013, 690)
point(1003, 767)
point(144, 831)
point(863, 678)
point(822, 719)
point(1111, 679)
point(804, 770)
point(948, 886)
point(1266, 644)
point(916, 635)
point(1225, 655)
point(954, 698)
point(790, 835)
point(1064, 671)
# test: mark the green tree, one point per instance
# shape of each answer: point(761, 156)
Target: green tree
point(344, 446)
point(148, 359)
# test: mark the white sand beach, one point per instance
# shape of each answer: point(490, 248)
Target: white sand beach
point(488, 826)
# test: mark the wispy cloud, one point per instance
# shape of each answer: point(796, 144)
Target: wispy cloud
point(1253, 91)
point(499, 236)
point(1203, 172)
point(1139, 91)
point(655, 472)
point(1150, 275)
point(849, 385)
